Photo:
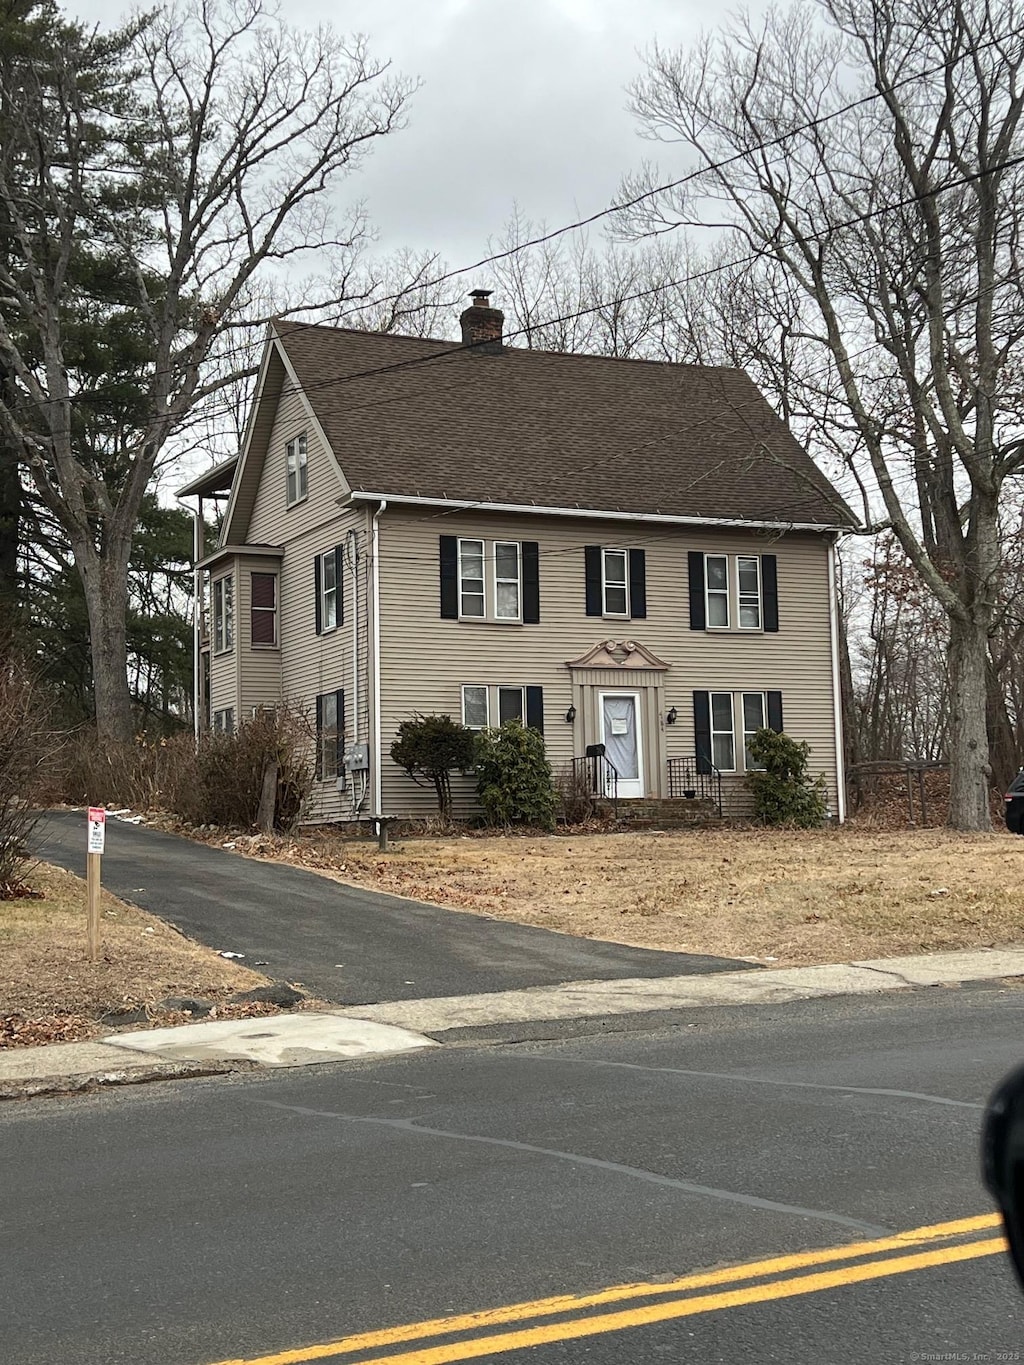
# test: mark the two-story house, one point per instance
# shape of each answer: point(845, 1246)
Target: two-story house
point(622, 553)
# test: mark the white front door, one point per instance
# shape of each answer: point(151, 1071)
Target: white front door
point(622, 740)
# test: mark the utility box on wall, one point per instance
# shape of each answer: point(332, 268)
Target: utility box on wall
point(357, 757)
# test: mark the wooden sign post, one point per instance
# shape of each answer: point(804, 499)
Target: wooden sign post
point(97, 835)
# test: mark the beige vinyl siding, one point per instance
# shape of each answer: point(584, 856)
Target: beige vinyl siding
point(259, 665)
point(273, 522)
point(425, 659)
point(224, 667)
point(258, 434)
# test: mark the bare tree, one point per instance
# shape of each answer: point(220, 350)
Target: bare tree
point(873, 151)
point(149, 182)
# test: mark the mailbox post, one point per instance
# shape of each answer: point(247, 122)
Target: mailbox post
point(94, 852)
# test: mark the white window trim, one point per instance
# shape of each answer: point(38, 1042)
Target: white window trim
point(739, 596)
point(296, 452)
point(495, 580)
point(731, 733)
point(272, 611)
point(328, 557)
point(745, 732)
point(334, 765)
point(511, 687)
point(487, 706)
point(224, 720)
point(474, 540)
point(612, 550)
point(223, 618)
point(718, 593)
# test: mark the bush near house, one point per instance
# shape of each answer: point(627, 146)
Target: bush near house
point(231, 768)
point(784, 791)
point(430, 749)
point(514, 779)
point(26, 741)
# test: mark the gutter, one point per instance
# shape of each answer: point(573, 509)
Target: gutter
point(377, 729)
point(460, 505)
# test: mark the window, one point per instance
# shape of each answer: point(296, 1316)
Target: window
point(754, 718)
point(716, 574)
point(264, 609)
point(511, 704)
point(471, 578)
point(224, 721)
point(223, 614)
point(330, 720)
point(296, 461)
point(723, 743)
point(475, 711)
point(328, 591)
point(615, 581)
point(506, 580)
point(748, 579)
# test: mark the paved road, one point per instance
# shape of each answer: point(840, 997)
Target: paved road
point(199, 1222)
point(350, 946)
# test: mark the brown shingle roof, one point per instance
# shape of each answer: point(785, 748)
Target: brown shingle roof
point(415, 417)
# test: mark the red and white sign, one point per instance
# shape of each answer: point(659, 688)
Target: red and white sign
point(97, 828)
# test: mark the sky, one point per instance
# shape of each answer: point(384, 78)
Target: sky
point(521, 103)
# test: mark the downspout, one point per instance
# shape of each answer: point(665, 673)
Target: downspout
point(837, 696)
point(377, 730)
point(352, 557)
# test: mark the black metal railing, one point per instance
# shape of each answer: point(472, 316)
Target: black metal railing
point(693, 781)
point(599, 776)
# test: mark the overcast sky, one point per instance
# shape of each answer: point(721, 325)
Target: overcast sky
point(522, 101)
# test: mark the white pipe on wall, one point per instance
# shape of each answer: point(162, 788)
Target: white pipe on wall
point(377, 731)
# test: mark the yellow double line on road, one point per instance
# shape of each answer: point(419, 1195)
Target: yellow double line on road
point(916, 1248)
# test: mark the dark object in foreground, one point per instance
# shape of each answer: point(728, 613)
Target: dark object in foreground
point(1014, 799)
point(1002, 1160)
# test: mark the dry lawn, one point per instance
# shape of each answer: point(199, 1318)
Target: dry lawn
point(790, 897)
point(45, 972)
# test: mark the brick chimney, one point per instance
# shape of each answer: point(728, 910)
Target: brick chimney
point(481, 324)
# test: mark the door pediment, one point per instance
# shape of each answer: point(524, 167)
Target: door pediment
point(622, 654)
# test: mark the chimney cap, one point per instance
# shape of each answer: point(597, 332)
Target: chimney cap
point(480, 297)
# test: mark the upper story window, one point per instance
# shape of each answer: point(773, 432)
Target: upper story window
point(733, 592)
point(615, 582)
point(296, 459)
point(507, 580)
point(471, 578)
point(223, 614)
point(328, 591)
point(264, 609)
point(489, 580)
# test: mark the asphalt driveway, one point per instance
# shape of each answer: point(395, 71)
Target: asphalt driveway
point(344, 944)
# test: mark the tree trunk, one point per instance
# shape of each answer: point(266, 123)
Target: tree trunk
point(106, 597)
point(970, 773)
point(1002, 741)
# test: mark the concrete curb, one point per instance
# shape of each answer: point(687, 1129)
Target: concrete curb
point(82, 1081)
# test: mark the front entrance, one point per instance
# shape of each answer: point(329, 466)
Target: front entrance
point(621, 736)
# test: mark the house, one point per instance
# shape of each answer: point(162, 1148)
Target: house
point(623, 553)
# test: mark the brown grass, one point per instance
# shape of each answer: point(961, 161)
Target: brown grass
point(793, 897)
point(45, 971)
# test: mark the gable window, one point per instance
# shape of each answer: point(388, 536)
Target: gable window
point(615, 582)
point(748, 591)
point(296, 458)
point(263, 610)
point(224, 721)
point(471, 578)
point(223, 614)
point(330, 724)
point(716, 575)
point(506, 580)
point(475, 711)
point(511, 704)
point(723, 742)
point(328, 591)
point(754, 718)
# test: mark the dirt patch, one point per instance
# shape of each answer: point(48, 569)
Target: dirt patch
point(51, 992)
point(788, 897)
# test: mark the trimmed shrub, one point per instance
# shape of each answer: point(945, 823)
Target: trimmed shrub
point(784, 792)
point(514, 777)
point(231, 769)
point(430, 749)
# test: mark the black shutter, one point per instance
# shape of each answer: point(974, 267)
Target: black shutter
point(449, 578)
point(770, 592)
point(339, 564)
point(702, 729)
point(637, 585)
point(530, 551)
point(339, 706)
point(535, 708)
point(775, 712)
point(316, 597)
point(318, 772)
point(595, 587)
point(697, 620)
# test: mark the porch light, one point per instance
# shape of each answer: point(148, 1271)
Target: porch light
point(570, 715)
point(672, 717)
